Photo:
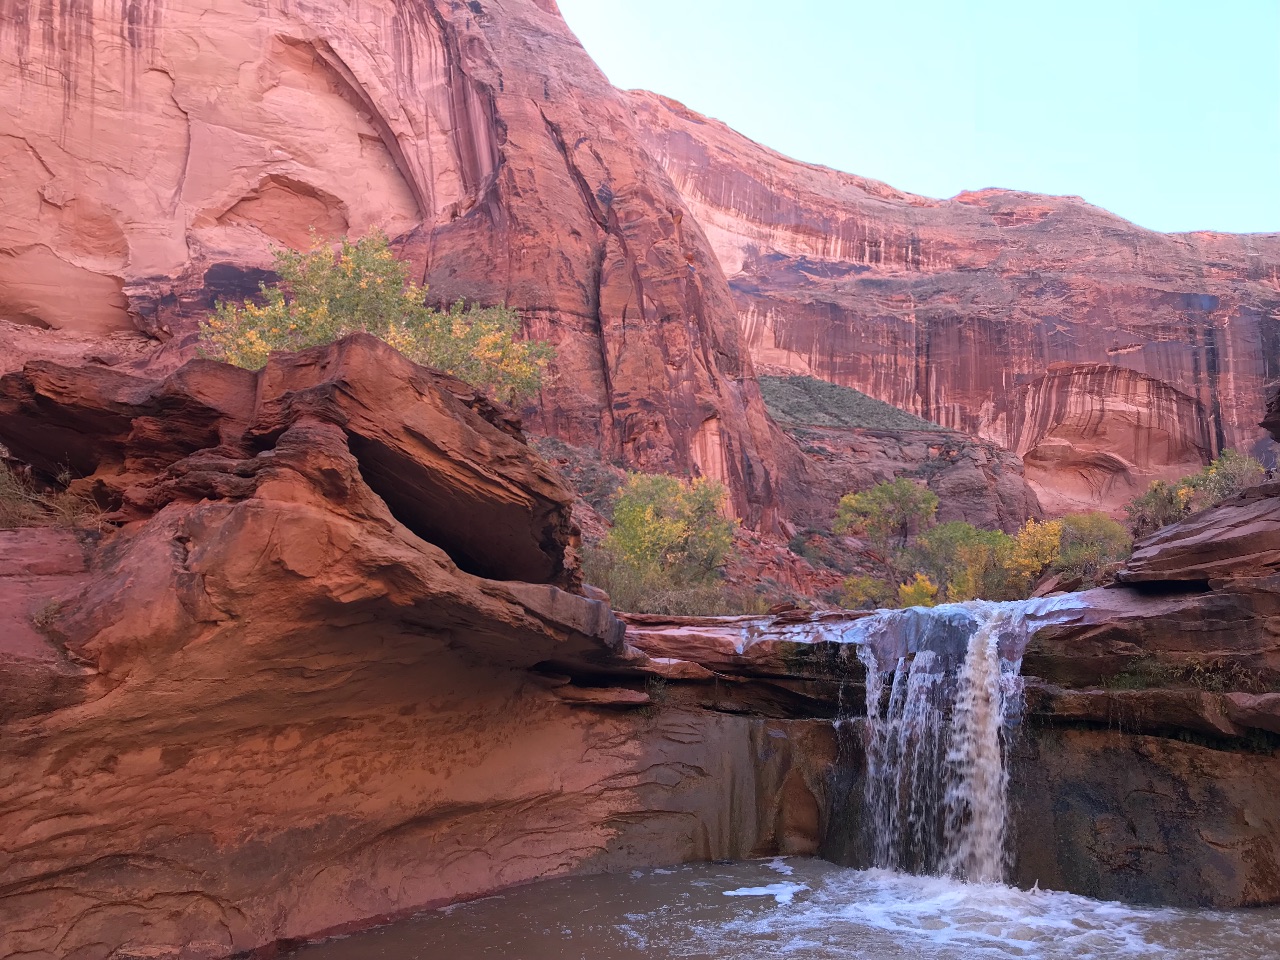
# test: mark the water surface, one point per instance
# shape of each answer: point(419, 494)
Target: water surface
point(803, 909)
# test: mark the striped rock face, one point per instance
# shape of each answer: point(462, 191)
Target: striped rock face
point(1105, 354)
point(158, 149)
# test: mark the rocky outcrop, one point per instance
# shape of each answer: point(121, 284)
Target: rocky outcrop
point(325, 663)
point(1101, 353)
point(155, 152)
point(1154, 752)
point(975, 481)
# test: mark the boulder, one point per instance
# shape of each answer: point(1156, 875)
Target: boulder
point(1239, 537)
point(326, 664)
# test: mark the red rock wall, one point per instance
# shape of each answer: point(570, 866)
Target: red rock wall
point(162, 146)
point(1103, 353)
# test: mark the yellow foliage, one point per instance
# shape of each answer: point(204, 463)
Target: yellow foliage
point(326, 294)
point(1035, 549)
point(920, 592)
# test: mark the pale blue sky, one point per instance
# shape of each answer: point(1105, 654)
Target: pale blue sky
point(1164, 111)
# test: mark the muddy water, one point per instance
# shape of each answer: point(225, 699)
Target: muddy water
point(803, 910)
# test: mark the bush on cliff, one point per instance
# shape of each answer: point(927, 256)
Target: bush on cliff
point(1164, 503)
point(325, 294)
point(1092, 548)
point(666, 547)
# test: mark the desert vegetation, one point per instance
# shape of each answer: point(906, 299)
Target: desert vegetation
point(667, 548)
point(1164, 503)
point(327, 293)
point(813, 402)
point(911, 560)
point(26, 503)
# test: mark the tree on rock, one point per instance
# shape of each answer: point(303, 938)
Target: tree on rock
point(887, 514)
point(325, 294)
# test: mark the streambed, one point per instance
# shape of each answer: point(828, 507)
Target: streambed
point(803, 909)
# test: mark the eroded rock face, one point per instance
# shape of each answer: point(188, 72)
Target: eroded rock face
point(975, 481)
point(287, 695)
point(157, 150)
point(1102, 353)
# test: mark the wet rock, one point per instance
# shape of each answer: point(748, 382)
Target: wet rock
point(1114, 815)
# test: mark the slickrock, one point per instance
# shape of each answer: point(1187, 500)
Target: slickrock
point(1103, 354)
point(310, 681)
point(1240, 537)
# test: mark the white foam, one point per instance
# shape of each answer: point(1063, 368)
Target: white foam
point(781, 892)
point(980, 920)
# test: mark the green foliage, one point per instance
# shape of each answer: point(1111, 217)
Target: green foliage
point(956, 561)
point(662, 521)
point(1164, 503)
point(795, 401)
point(970, 562)
point(1159, 506)
point(1092, 546)
point(665, 549)
point(325, 295)
point(888, 513)
point(861, 592)
point(677, 591)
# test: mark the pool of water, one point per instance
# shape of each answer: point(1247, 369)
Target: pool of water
point(802, 909)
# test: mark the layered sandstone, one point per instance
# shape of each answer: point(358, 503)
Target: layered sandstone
point(1102, 353)
point(324, 662)
point(155, 151)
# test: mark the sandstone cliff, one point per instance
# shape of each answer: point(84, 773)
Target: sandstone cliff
point(329, 667)
point(153, 151)
point(1102, 353)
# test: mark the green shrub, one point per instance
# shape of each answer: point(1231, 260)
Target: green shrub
point(1092, 545)
point(861, 592)
point(1160, 505)
point(1164, 503)
point(323, 295)
point(887, 514)
point(661, 521)
point(674, 591)
point(664, 552)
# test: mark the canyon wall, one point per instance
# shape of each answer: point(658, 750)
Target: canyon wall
point(155, 150)
point(1102, 353)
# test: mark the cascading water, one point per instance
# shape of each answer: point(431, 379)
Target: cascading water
point(943, 693)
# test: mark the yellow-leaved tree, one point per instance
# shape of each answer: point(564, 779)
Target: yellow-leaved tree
point(325, 294)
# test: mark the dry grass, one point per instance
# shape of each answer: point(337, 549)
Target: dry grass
point(23, 504)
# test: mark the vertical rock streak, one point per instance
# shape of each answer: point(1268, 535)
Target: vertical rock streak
point(937, 773)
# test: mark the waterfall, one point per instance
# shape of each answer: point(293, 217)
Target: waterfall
point(937, 739)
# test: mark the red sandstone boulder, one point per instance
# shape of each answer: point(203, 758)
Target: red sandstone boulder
point(1239, 537)
point(300, 685)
